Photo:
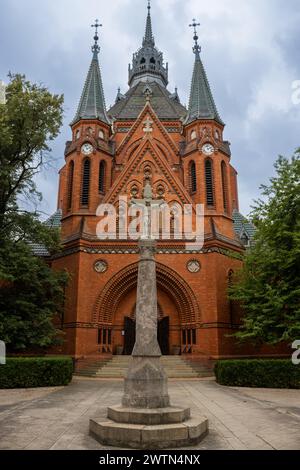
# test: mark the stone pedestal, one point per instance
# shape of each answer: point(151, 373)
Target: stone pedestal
point(162, 428)
point(146, 384)
point(146, 420)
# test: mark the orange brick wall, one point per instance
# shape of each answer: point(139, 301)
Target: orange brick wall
point(191, 300)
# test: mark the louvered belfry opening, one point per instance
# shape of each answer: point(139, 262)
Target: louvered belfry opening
point(193, 177)
point(70, 185)
point(85, 189)
point(102, 167)
point(224, 186)
point(209, 183)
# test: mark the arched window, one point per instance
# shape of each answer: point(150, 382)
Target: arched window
point(70, 185)
point(143, 60)
point(90, 131)
point(152, 60)
point(85, 188)
point(209, 182)
point(193, 177)
point(102, 167)
point(101, 134)
point(77, 134)
point(224, 186)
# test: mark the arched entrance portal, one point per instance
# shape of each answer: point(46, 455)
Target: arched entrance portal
point(115, 309)
point(164, 319)
point(162, 335)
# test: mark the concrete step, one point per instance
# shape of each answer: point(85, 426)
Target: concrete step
point(116, 367)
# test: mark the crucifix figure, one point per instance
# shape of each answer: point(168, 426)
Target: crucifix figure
point(148, 126)
point(147, 205)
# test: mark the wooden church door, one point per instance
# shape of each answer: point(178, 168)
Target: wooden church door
point(162, 335)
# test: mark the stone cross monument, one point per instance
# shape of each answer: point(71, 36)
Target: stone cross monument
point(146, 381)
point(146, 420)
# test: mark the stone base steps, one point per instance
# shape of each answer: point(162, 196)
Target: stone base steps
point(116, 368)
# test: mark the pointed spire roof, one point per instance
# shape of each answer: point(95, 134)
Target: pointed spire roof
point(92, 101)
point(201, 103)
point(149, 38)
point(148, 61)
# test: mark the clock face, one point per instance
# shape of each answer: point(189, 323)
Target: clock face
point(208, 149)
point(87, 149)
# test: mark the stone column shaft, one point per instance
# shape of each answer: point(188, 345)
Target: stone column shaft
point(146, 384)
point(146, 343)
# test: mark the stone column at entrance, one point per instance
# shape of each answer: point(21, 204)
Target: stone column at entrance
point(146, 382)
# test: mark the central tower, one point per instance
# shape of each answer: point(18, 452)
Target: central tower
point(148, 62)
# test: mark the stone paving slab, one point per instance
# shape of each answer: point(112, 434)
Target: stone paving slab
point(239, 418)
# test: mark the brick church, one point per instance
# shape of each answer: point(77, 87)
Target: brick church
point(148, 135)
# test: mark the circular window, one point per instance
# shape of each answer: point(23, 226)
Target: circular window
point(193, 266)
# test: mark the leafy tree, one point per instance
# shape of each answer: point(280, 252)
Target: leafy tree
point(29, 120)
point(31, 294)
point(268, 286)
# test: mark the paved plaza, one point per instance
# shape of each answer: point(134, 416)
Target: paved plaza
point(239, 418)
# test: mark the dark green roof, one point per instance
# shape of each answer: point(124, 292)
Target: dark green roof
point(54, 221)
point(243, 226)
point(165, 104)
point(148, 38)
point(92, 101)
point(201, 104)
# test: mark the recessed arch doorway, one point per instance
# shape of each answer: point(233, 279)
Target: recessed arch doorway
point(177, 308)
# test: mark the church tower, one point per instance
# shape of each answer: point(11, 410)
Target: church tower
point(148, 138)
point(206, 155)
point(89, 155)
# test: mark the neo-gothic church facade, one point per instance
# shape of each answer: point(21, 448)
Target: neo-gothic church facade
point(148, 135)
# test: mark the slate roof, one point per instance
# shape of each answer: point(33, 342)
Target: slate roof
point(165, 104)
point(92, 101)
point(54, 221)
point(148, 61)
point(201, 103)
point(148, 38)
point(243, 226)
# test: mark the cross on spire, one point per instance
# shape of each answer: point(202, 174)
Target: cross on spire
point(196, 48)
point(96, 47)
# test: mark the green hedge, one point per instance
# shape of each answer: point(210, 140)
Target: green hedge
point(265, 373)
point(29, 372)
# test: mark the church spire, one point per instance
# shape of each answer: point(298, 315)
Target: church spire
point(92, 101)
point(149, 39)
point(148, 62)
point(201, 103)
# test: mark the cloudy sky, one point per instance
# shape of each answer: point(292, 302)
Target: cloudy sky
point(250, 49)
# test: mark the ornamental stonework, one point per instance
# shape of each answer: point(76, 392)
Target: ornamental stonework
point(100, 266)
point(193, 266)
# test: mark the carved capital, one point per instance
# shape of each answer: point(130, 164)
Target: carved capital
point(147, 249)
